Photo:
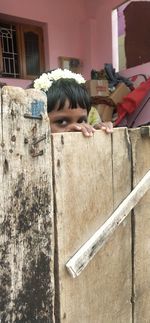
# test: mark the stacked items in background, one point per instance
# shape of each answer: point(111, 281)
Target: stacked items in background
point(107, 89)
point(117, 100)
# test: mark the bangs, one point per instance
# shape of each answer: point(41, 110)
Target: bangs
point(68, 89)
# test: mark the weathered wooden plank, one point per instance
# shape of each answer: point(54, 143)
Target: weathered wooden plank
point(84, 199)
point(26, 212)
point(120, 251)
point(85, 254)
point(141, 251)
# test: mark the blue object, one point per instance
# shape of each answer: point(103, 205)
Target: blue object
point(37, 108)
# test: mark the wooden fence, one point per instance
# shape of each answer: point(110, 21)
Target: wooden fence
point(55, 193)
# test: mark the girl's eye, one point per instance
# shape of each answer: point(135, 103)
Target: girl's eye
point(83, 120)
point(62, 122)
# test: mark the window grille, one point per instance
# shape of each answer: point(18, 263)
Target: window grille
point(9, 50)
point(21, 50)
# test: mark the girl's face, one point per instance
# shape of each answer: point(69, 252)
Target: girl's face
point(62, 120)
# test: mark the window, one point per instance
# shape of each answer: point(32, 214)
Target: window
point(21, 50)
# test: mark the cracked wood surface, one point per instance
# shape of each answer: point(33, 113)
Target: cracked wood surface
point(91, 177)
point(90, 248)
point(141, 232)
point(26, 209)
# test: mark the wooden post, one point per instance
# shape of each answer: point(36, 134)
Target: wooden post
point(26, 211)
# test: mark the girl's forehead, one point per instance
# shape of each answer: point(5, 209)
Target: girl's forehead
point(67, 112)
point(66, 105)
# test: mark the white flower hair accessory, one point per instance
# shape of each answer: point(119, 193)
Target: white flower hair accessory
point(45, 81)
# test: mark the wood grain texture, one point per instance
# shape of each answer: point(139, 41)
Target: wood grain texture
point(76, 183)
point(85, 198)
point(90, 248)
point(26, 212)
point(141, 164)
point(121, 249)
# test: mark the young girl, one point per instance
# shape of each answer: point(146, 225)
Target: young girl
point(68, 102)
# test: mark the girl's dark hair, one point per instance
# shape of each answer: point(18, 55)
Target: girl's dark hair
point(63, 89)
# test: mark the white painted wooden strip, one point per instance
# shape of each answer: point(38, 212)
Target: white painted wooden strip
point(84, 255)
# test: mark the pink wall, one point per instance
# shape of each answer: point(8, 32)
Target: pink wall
point(80, 28)
point(102, 35)
point(65, 23)
point(102, 38)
